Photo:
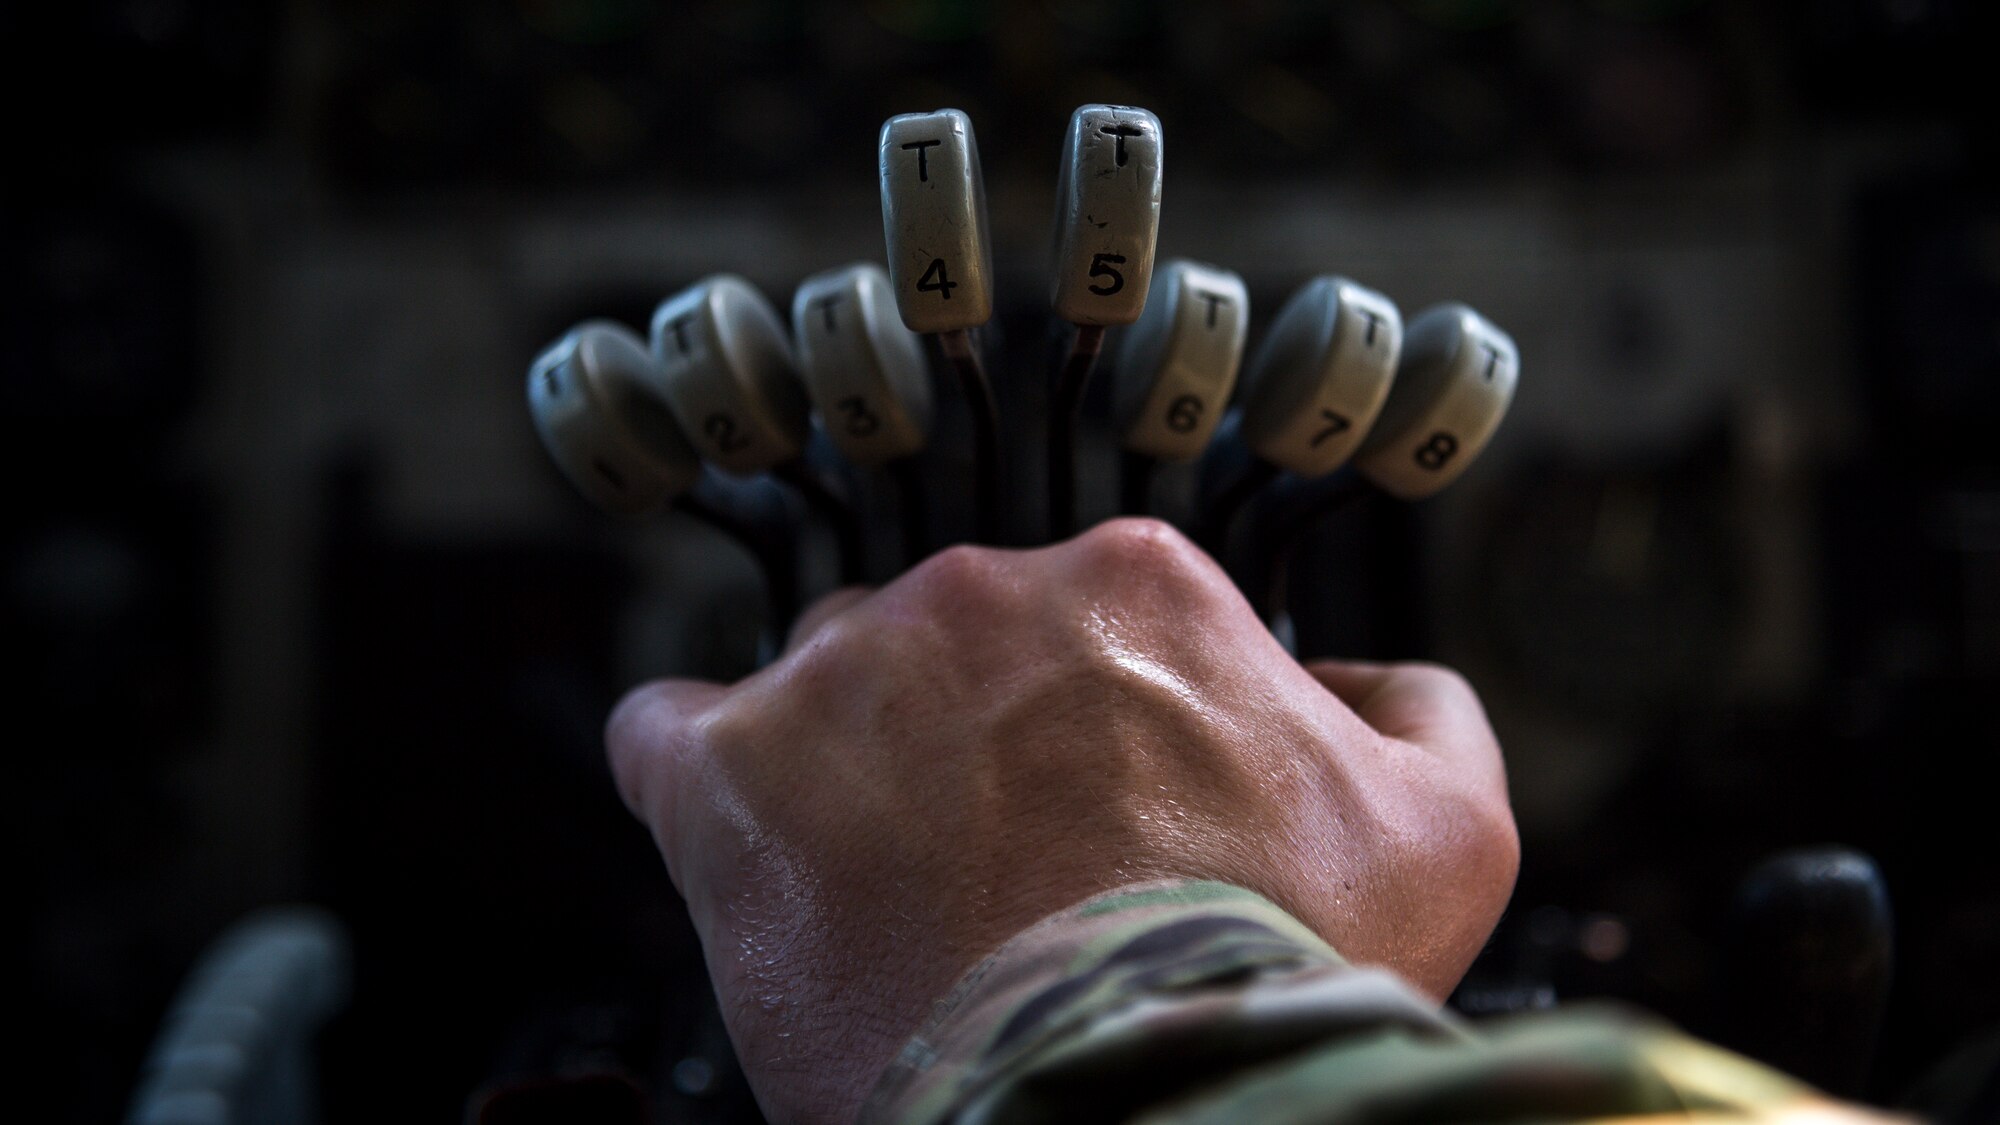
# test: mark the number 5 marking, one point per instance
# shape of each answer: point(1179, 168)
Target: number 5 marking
point(1099, 269)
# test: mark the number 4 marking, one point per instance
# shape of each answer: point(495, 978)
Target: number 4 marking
point(935, 280)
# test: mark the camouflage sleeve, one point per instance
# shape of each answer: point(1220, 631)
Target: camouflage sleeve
point(1191, 1001)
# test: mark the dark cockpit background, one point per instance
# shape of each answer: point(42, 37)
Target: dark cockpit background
point(296, 609)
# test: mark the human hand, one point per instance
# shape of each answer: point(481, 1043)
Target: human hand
point(931, 767)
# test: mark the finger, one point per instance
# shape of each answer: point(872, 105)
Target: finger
point(1426, 704)
point(821, 612)
point(648, 739)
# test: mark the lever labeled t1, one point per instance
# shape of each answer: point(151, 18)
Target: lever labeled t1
point(603, 426)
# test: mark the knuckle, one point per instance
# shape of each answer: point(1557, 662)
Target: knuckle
point(1138, 545)
point(958, 576)
point(733, 727)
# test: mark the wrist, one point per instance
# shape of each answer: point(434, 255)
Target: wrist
point(1102, 977)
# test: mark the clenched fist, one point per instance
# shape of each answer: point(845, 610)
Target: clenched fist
point(996, 735)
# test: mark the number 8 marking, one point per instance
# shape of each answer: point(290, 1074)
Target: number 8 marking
point(1434, 453)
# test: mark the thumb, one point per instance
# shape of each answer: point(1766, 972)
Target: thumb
point(1425, 704)
point(650, 740)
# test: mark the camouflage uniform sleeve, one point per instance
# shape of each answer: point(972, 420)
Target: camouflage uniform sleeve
point(1186, 1002)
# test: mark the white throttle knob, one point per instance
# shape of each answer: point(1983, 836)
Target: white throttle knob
point(934, 220)
point(724, 366)
point(1107, 214)
point(1178, 365)
point(1457, 378)
point(603, 426)
point(865, 371)
point(1321, 375)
